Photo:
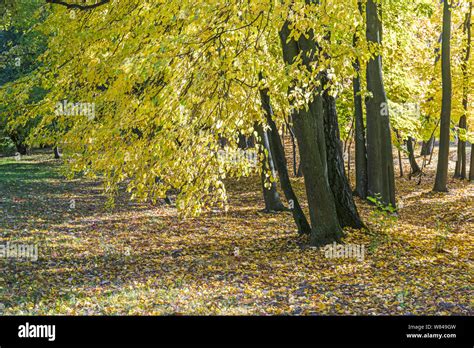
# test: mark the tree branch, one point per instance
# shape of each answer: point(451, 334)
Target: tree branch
point(77, 6)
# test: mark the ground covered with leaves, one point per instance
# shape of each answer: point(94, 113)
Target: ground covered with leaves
point(139, 259)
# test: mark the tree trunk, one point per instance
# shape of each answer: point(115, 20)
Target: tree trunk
point(269, 187)
point(293, 147)
point(349, 159)
point(400, 162)
point(299, 173)
point(345, 206)
point(360, 145)
point(432, 152)
point(471, 170)
point(278, 152)
point(460, 171)
point(427, 147)
point(243, 142)
point(309, 130)
point(22, 149)
point(443, 155)
point(415, 169)
point(57, 155)
point(461, 159)
point(381, 179)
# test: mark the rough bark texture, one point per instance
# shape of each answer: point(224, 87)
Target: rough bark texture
point(443, 155)
point(278, 152)
point(345, 206)
point(293, 147)
point(381, 179)
point(299, 173)
point(360, 148)
point(309, 130)
point(269, 188)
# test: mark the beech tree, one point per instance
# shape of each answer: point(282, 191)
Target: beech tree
point(170, 80)
point(381, 179)
point(461, 163)
point(309, 130)
point(443, 156)
point(271, 196)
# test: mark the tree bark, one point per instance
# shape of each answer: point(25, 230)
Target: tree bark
point(427, 147)
point(471, 170)
point(293, 147)
point(461, 164)
point(57, 155)
point(400, 162)
point(309, 130)
point(360, 145)
point(415, 169)
point(22, 149)
point(270, 194)
point(460, 170)
point(278, 151)
point(299, 173)
point(360, 148)
point(345, 206)
point(381, 181)
point(443, 155)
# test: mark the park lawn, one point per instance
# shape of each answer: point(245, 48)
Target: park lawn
point(142, 259)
